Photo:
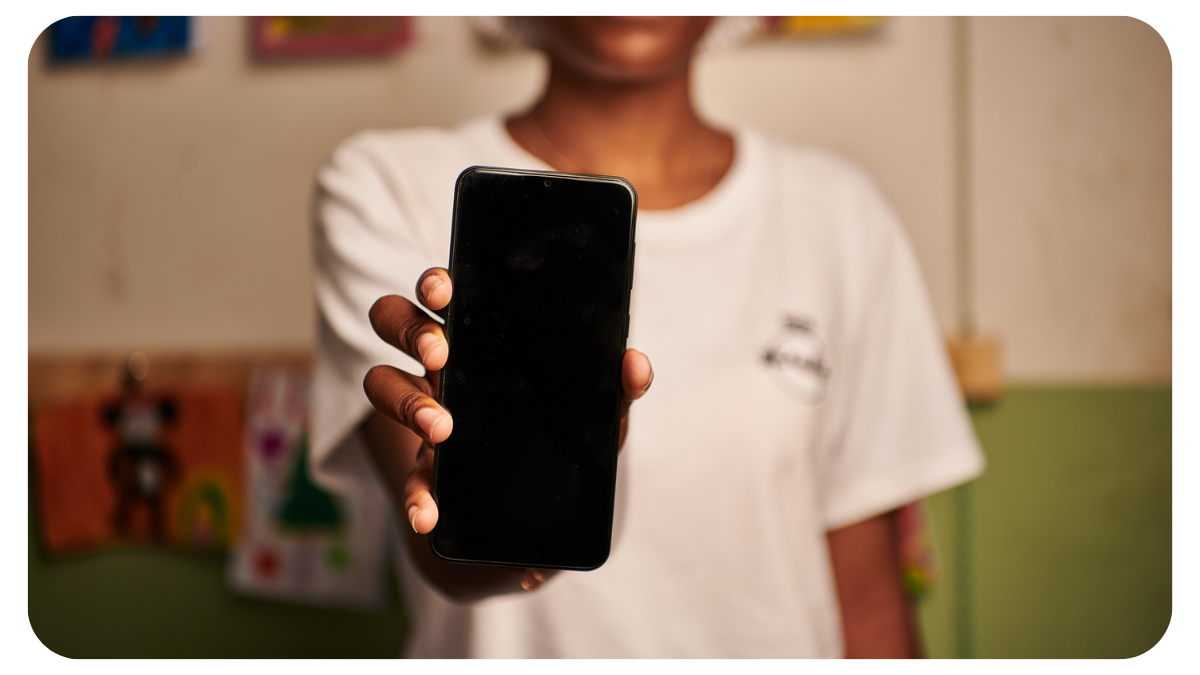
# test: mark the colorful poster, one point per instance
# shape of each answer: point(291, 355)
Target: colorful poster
point(157, 466)
point(275, 37)
point(300, 542)
point(100, 38)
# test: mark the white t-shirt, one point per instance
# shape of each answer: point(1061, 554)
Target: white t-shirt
point(800, 385)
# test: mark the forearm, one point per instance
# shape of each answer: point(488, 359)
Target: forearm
point(877, 616)
point(392, 449)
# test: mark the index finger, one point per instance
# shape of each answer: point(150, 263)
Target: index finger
point(434, 290)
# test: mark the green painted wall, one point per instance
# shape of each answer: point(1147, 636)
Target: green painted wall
point(1071, 557)
point(1072, 529)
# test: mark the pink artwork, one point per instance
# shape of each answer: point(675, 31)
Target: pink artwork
point(284, 37)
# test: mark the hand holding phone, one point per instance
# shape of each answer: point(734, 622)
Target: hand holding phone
point(412, 401)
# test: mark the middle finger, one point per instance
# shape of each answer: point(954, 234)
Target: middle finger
point(408, 400)
point(404, 326)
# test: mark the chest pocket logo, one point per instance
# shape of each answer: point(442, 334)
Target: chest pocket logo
point(798, 360)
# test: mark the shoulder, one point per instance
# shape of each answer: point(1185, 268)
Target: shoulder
point(404, 174)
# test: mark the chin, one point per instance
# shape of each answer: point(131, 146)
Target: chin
point(624, 49)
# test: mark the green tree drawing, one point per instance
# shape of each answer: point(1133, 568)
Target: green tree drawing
point(305, 506)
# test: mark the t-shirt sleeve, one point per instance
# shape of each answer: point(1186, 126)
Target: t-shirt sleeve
point(368, 243)
point(897, 425)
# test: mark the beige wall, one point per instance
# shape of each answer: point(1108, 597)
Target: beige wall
point(1073, 157)
point(168, 201)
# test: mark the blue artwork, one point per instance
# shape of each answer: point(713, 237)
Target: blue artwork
point(99, 38)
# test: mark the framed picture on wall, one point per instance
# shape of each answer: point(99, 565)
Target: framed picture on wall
point(290, 37)
point(101, 38)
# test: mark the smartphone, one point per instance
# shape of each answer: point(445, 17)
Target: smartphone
point(542, 267)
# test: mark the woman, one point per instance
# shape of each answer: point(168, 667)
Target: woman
point(801, 392)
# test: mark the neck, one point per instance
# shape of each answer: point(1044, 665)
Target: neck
point(646, 132)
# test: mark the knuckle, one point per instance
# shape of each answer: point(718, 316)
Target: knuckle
point(409, 331)
point(408, 402)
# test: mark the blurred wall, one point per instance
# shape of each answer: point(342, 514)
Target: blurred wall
point(169, 201)
point(1073, 178)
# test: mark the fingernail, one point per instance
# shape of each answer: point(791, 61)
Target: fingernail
point(425, 344)
point(431, 282)
point(650, 382)
point(413, 512)
point(429, 419)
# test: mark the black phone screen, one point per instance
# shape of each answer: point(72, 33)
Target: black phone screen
point(542, 265)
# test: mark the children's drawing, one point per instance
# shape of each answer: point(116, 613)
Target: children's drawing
point(302, 542)
point(144, 464)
